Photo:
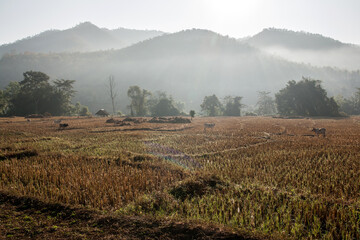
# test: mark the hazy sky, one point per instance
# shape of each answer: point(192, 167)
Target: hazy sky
point(338, 19)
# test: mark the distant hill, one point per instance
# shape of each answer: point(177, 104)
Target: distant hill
point(306, 47)
point(188, 65)
point(294, 40)
point(84, 37)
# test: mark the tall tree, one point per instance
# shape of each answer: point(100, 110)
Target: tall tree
point(306, 98)
point(192, 114)
point(138, 98)
point(8, 95)
point(163, 105)
point(112, 92)
point(63, 93)
point(34, 92)
point(36, 95)
point(232, 106)
point(211, 106)
point(265, 104)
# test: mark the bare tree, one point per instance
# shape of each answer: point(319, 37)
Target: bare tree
point(265, 104)
point(112, 91)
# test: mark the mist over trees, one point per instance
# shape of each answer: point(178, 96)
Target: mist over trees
point(112, 90)
point(145, 103)
point(163, 105)
point(139, 98)
point(265, 104)
point(351, 105)
point(36, 95)
point(188, 65)
point(80, 110)
point(303, 47)
point(232, 106)
point(305, 98)
point(211, 106)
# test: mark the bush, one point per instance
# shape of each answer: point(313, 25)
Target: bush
point(84, 111)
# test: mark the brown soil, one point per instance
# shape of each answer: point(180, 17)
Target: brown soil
point(19, 155)
point(29, 218)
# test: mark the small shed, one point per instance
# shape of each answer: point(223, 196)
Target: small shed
point(102, 113)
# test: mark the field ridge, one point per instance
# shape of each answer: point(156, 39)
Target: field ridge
point(26, 217)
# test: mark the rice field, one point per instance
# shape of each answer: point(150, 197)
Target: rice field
point(263, 175)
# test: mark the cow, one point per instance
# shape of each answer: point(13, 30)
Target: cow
point(319, 131)
point(208, 125)
point(63, 125)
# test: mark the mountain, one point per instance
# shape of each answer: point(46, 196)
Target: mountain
point(271, 37)
point(306, 47)
point(131, 36)
point(84, 37)
point(188, 65)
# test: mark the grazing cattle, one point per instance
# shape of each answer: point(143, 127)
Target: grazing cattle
point(63, 125)
point(319, 131)
point(208, 125)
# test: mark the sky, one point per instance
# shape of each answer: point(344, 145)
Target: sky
point(338, 19)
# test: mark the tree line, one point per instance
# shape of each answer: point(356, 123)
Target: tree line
point(35, 94)
point(351, 105)
point(303, 98)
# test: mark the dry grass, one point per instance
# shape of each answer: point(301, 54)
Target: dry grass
point(277, 178)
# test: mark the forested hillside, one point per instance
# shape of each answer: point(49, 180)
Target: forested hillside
point(188, 65)
point(308, 48)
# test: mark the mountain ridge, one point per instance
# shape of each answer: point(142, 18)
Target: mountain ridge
point(304, 47)
point(296, 46)
point(83, 37)
point(294, 39)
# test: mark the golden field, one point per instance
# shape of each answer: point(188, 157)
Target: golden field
point(263, 175)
